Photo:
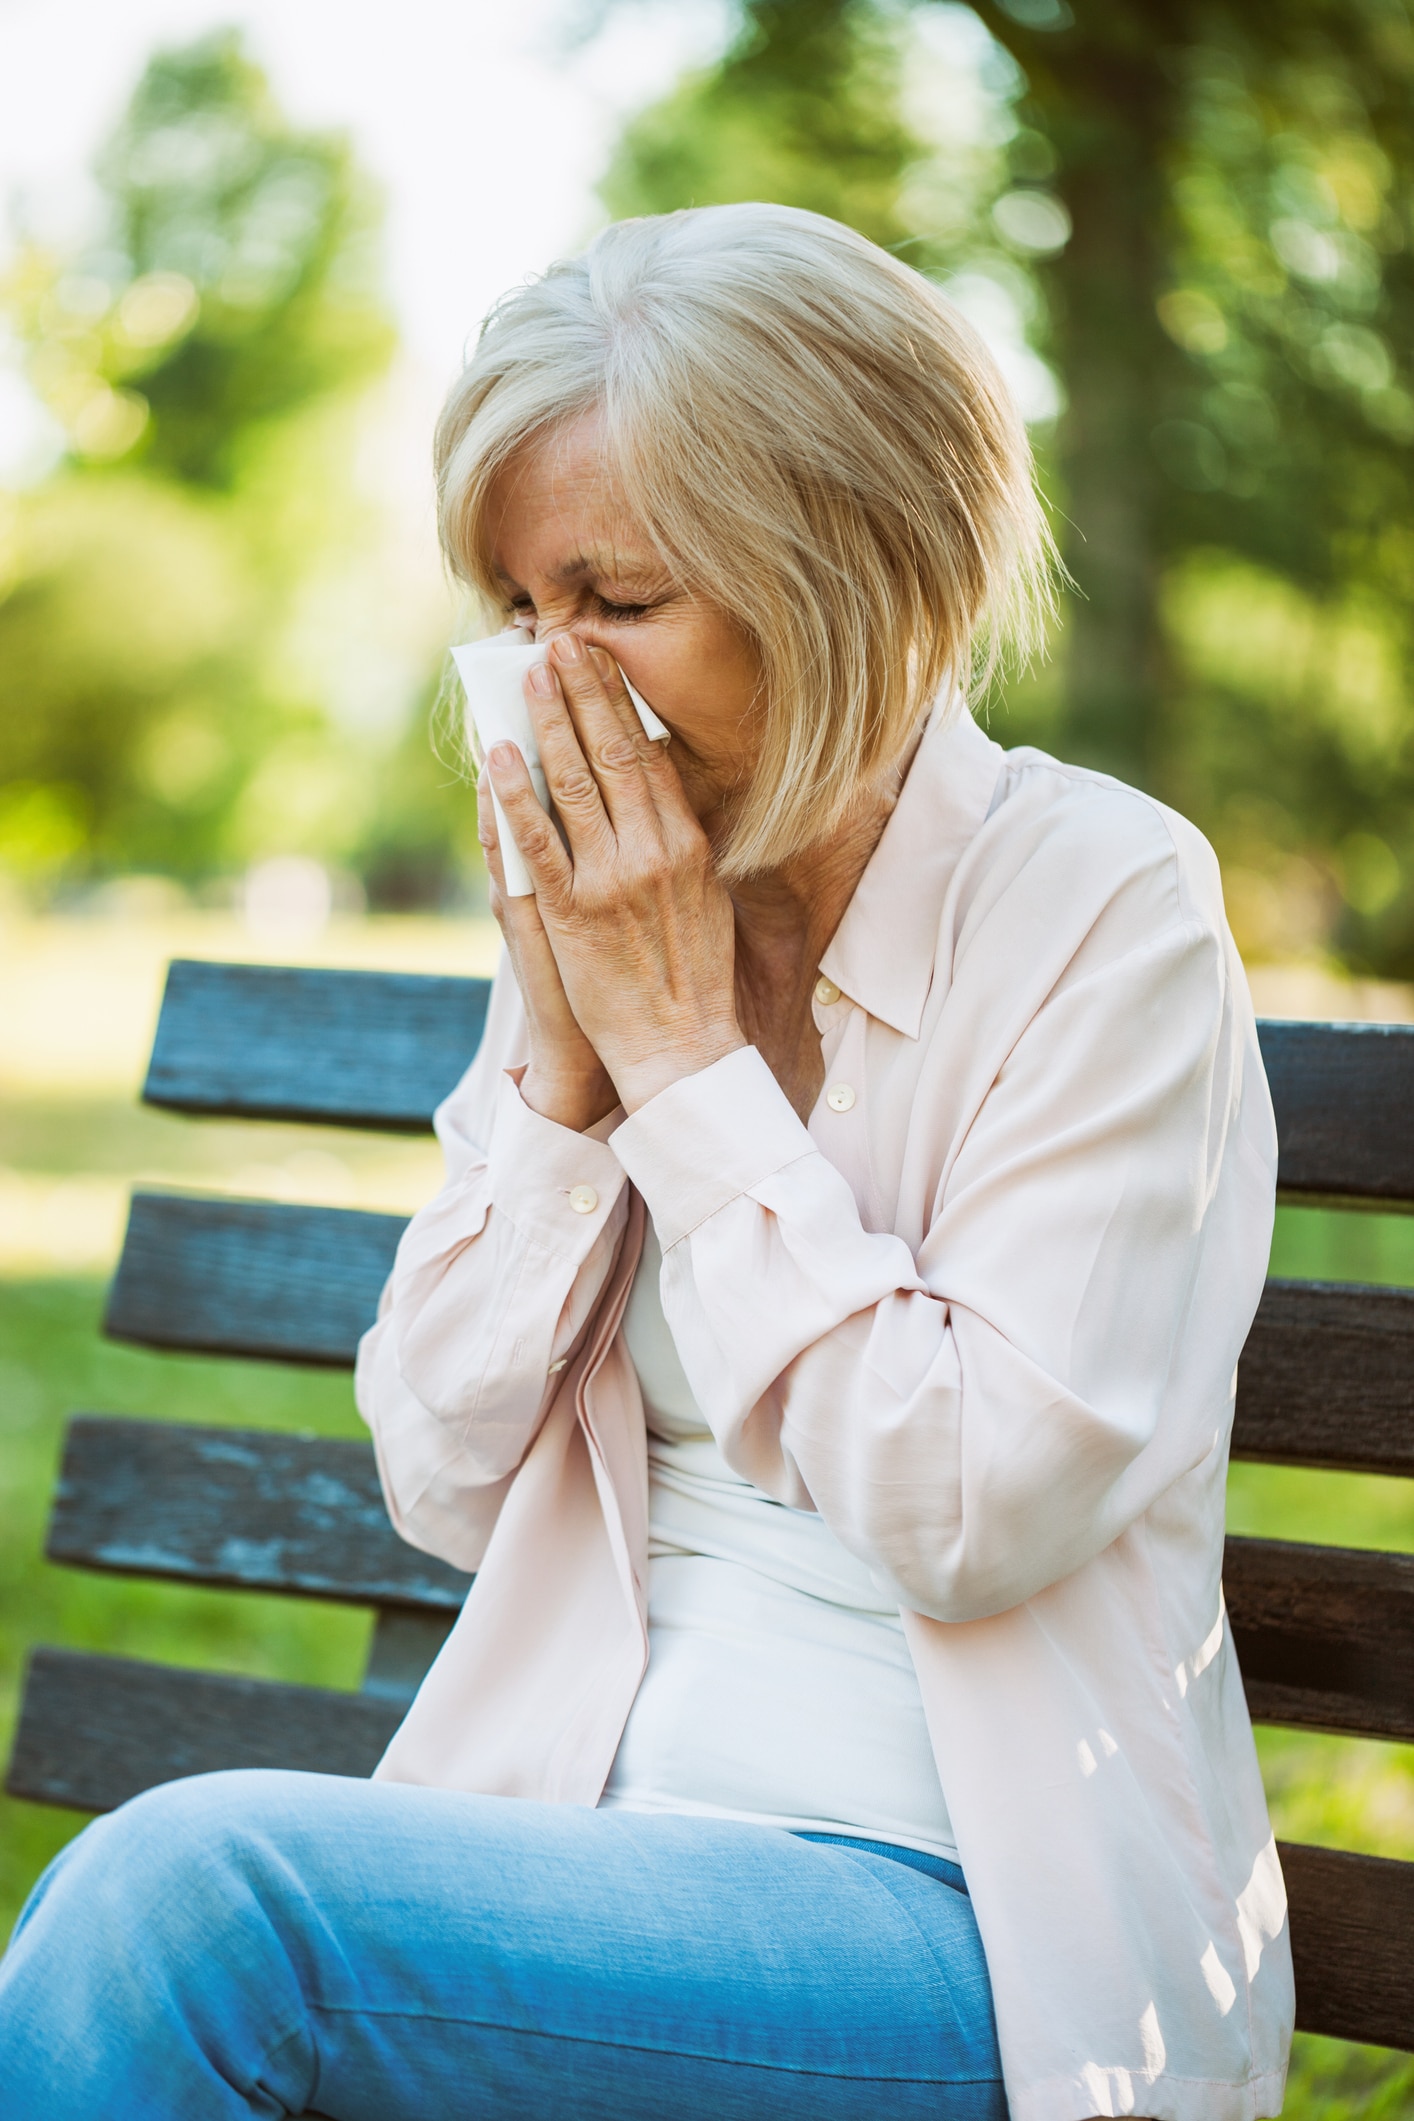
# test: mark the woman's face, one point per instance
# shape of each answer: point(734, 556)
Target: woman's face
point(571, 560)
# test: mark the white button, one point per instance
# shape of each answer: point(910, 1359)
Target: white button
point(840, 1097)
point(826, 991)
point(584, 1200)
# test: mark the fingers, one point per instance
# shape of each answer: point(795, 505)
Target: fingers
point(490, 842)
point(660, 774)
point(518, 917)
point(537, 841)
point(594, 754)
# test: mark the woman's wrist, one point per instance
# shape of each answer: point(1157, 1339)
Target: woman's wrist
point(576, 1102)
point(639, 1080)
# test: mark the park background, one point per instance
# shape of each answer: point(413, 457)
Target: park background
point(242, 249)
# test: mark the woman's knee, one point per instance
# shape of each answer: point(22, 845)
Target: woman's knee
point(185, 1854)
point(153, 1951)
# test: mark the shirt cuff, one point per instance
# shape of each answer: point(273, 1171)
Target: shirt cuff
point(558, 1187)
point(707, 1139)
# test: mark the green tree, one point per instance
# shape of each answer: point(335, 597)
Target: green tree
point(1232, 317)
point(803, 110)
point(1213, 208)
point(274, 234)
point(197, 355)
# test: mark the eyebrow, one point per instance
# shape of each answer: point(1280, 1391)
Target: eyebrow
point(594, 563)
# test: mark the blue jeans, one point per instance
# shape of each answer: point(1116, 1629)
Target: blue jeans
point(259, 1944)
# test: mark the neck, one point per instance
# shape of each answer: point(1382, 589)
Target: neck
point(801, 904)
point(794, 910)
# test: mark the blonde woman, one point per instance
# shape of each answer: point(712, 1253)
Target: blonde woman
point(822, 1347)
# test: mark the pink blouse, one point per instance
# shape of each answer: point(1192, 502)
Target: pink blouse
point(983, 1313)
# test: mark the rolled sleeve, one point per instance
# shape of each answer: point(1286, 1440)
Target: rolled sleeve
point(707, 1139)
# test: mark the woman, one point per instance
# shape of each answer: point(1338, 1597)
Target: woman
point(822, 1347)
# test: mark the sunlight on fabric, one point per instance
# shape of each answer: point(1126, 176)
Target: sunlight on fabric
point(1192, 1668)
point(1261, 1907)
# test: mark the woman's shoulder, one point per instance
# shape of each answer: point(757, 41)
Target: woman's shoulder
point(1073, 836)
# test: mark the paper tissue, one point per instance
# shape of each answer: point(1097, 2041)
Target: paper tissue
point(493, 678)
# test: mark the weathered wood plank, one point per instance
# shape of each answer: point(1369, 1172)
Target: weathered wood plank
point(1327, 1379)
point(1344, 1099)
point(402, 1650)
point(95, 1731)
point(1352, 1938)
point(243, 1277)
point(381, 1049)
point(248, 1508)
point(1324, 1635)
point(349, 1049)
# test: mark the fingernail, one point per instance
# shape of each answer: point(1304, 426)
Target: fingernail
point(502, 755)
point(542, 678)
point(569, 648)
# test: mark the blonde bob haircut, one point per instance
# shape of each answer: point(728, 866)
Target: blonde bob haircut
point(813, 438)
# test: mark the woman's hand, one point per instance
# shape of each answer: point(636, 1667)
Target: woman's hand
point(633, 916)
point(566, 1080)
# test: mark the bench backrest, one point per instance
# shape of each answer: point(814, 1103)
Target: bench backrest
point(1325, 1636)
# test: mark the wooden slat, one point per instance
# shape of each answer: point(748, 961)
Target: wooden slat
point(350, 1049)
point(1344, 1099)
point(243, 1277)
point(95, 1731)
point(249, 1508)
point(1327, 1379)
point(1324, 1635)
point(380, 1049)
point(402, 1650)
point(1352, 1938)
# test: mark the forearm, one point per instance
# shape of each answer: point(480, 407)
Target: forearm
point(495, 1280)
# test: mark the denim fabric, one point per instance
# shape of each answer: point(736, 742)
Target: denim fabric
point(259, 1944)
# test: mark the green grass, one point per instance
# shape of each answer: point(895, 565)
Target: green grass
point(1315, 1244)
point(53, 1362)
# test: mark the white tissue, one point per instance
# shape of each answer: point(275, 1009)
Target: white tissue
point(493, 678)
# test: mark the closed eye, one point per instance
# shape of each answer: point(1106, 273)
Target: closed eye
point(623, 612)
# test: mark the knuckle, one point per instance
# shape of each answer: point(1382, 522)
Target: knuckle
point(617, 753)
point(648, 873)
point(536, 839)
point(576, 789)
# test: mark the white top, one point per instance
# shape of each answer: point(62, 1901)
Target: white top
point(779, 1688)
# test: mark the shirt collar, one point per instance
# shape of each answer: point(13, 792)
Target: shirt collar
point(881, 955)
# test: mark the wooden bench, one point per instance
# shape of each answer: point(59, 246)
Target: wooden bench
point(1325, 1634)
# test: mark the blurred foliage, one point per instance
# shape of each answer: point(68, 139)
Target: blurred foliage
point(203, 361)
point(1200, 215)
point(247, 258)
point(804, 111)
point(1232, 318)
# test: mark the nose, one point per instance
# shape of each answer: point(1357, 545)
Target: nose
point(547, 630)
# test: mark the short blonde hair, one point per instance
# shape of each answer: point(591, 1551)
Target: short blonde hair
point(814, 438)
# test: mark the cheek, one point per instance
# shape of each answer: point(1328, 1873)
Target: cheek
point(695, 674)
